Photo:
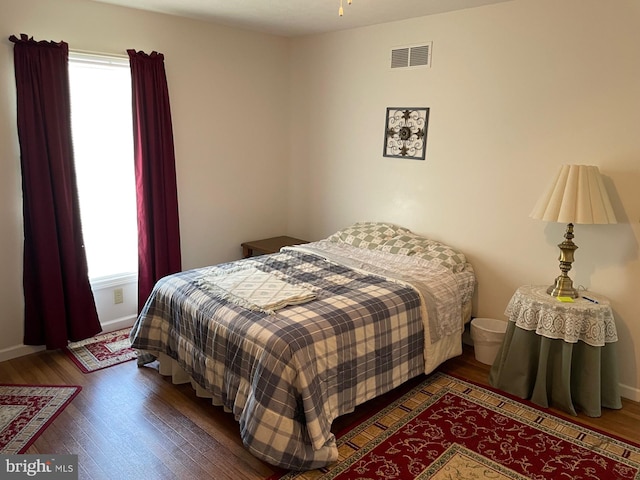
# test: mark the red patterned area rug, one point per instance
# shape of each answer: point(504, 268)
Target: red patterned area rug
point(26, 410)
point(101, 351)
point(447, 428)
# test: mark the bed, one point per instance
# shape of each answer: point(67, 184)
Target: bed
point(289, 341)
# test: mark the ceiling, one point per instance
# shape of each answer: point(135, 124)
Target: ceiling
point(300, 17)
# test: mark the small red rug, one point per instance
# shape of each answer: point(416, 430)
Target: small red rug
point(26, 410)
point(447, 428)
point(101, 351)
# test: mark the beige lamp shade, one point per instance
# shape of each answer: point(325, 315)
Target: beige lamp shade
point(577, 195)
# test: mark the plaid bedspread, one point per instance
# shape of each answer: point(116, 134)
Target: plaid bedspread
point(287, 375)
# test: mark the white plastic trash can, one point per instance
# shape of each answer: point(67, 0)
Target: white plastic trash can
point(487, 335)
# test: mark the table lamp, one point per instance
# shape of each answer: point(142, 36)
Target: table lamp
point(576, 195)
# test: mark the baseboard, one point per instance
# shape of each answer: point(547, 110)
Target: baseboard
point(22, 350)
point(19, 351)
point(630, 392)
point(118, 323)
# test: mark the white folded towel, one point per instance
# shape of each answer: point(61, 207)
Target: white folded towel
point(258, 290)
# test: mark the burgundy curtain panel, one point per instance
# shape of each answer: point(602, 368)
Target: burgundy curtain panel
point(59, 303)
point(156, 189)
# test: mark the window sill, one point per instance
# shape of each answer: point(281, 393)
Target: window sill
point(113, 280)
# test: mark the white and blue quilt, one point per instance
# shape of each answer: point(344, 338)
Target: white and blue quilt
point(359, 326)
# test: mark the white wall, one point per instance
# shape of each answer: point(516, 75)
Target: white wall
point(229, 95)
point(515, 90)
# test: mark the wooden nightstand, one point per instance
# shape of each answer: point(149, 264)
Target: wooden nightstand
point(268, 245)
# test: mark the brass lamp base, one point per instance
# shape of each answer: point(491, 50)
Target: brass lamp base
point(563, 286)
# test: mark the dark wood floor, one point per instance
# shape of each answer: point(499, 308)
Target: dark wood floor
point(131, 423)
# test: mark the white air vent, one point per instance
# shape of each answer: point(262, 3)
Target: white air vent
point(400, 57)
point(411, 56)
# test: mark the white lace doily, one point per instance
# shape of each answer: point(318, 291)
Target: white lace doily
point(531, 308)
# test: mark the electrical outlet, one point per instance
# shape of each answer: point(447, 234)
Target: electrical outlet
point(118, 296)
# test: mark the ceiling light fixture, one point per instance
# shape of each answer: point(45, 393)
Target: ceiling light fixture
point(341, 10)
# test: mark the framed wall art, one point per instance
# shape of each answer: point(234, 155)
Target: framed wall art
point(405, 132)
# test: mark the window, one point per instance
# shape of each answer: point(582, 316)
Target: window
point(101, 123)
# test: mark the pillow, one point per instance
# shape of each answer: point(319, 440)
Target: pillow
point(390, 238)
point(367, 234)
point(404, 244)
point(444, 255)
